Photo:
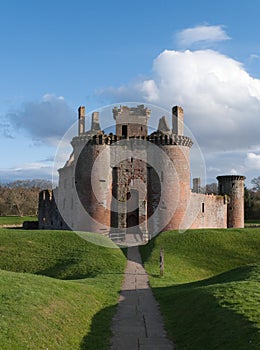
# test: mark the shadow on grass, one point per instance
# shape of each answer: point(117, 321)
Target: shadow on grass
point(202, 315)
point(67, 270)
point(100, 334)
point(195, 320)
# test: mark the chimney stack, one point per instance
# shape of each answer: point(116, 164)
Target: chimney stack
point(177, 120)
point(81, 114)
point(95, 122)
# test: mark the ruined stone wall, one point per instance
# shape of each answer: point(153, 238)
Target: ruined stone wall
point(48, 214)
point(129, 186)
point(207, 211)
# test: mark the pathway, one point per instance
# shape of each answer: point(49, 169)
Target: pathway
point(138, 324)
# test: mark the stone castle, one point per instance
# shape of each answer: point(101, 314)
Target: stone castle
point(132, 182)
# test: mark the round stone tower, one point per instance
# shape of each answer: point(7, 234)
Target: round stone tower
point(93, 182)
point(174, 175)
point(233, 186)
point(177, 193)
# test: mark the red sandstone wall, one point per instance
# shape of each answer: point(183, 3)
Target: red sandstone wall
point(215, 211)
point(233, 186)
point(177, 191)
point(97, 202)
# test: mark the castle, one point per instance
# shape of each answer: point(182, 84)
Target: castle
point(134, 183)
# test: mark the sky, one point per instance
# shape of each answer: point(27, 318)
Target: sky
point(59, 54)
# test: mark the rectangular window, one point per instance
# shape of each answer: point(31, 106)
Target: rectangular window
point(124, 131)
point(203, 207)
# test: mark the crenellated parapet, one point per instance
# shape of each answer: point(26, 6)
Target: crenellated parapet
point(156, 138)
point(173, 139)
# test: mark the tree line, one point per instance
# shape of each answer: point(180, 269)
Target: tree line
point(20, 197)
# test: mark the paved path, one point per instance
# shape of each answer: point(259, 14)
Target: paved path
point(138, 324)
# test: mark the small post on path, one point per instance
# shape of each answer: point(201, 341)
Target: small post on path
point(161, 262)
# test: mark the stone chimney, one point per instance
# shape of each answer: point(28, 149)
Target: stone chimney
point(81, 122)
point(196, 185)
point(95, 122)
point(177, 120)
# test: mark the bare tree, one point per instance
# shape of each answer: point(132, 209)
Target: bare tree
point(212, 188)
point(256, 183)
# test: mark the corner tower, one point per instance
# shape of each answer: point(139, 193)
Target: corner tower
point(233, 186)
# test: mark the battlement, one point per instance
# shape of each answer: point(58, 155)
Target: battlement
point(230, 178)
point(140, 110)
point(156, 138)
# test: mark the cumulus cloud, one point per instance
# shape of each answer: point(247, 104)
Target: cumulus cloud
point(221, 101)
point(253, 160)
point(45, 120)
point(201, 35)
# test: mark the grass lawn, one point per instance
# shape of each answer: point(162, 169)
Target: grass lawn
point(210, 291)
point(16, 220)
point(71, 310)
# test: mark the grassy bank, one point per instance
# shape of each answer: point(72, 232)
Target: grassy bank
point(39, 312)
point(209, 294)
point(58, 254)
point(16, 220)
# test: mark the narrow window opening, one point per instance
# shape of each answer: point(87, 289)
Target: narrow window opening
point(203, 207)
point(124, 131)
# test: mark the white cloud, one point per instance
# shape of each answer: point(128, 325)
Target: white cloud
point(253, 161)
point(150, 90)
point(32, 170)
point(221, 100)
point(201, 34)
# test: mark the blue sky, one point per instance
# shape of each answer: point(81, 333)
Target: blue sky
point(57, 55)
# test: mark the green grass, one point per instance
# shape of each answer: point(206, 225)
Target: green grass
point(62, 312)
point(16, 220)
point(210, 291)
point(59, 254)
